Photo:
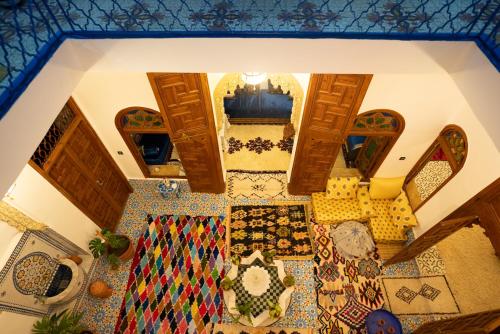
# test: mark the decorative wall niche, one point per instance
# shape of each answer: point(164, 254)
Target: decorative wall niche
point(439, 164)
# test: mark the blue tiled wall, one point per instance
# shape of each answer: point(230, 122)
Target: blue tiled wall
point(33, 29)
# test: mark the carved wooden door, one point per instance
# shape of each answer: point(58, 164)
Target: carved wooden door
point(185, 104)
point(81, 168)
point(477, 323)
point(368, 156)
point(332, 103)
point(437, 233)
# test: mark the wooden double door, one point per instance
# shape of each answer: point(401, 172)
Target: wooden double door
point(332, 104)
point(79, 166)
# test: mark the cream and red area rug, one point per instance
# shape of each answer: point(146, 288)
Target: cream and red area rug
point(257, 148)
point(348, 290)
point(419, 295)
point(260, 186)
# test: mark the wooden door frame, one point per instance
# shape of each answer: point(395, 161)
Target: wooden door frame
point(376, 132)
point(431, 237)
point(125, 134)
point(476, 323)
point(439, 142)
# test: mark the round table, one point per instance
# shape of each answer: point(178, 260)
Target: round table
point(383, 322)
point(254, 279)
point(168, 187)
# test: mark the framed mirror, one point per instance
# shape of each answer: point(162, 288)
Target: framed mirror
point(439, 164)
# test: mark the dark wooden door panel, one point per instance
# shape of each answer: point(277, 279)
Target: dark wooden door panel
point(83, 170)
point(185, 104)
point(332, 104)
point(182, 96)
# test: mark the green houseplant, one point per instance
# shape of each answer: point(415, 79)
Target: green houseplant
point(115, 247)
point(62, 323)
point(244, 310)
point(289, 281)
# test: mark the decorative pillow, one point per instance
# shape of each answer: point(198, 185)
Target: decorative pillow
point(401, 213)
point(342, 187)
point(386, 188)
point(365, 204)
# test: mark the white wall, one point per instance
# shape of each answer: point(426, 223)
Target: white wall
point(37, 198)
point(481, 168)
point(426, 101)
point(101, 95)
point(479, 82)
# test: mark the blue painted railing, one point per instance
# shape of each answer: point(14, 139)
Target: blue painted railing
point(31, 30)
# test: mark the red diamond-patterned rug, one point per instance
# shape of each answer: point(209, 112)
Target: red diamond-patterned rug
point(348, 290)
point(174, 282)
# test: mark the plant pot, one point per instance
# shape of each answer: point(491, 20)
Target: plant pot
point(100, 289)
point(129, 252)
point(75, 258)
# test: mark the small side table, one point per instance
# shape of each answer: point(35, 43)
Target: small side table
point(168, 187)
point(383, 322)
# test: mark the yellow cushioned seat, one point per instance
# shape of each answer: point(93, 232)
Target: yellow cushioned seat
point(401, 213)
point(334, 211)
point(381, 226)
point(342, 187)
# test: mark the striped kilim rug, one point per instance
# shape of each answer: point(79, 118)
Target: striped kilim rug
point(174, 279)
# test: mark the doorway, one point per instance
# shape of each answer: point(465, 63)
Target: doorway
point(145, 134)
point(370, 140)
point(257, 120)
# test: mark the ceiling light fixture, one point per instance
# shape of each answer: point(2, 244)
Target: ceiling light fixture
point(253, 78)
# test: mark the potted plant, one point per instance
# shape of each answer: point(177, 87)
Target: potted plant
point(244, 310)
point(236, 260)
point(62, 323)
point(269, 256)
point(274, 309)
point(289, 281)
point(227, 283)
point(115, 247)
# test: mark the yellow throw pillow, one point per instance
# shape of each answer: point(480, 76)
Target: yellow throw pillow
point(365, 204)
point(386, 188)
point(342, 187)
point(401, 214)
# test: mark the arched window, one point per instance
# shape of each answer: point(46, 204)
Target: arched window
point(145, 134)
point(371, 138)
point(439, 164)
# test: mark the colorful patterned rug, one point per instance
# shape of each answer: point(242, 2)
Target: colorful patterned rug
point(174, 280)
point(348, 290)
point(282, 228)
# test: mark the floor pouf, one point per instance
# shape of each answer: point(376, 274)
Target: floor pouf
point(383, 322)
